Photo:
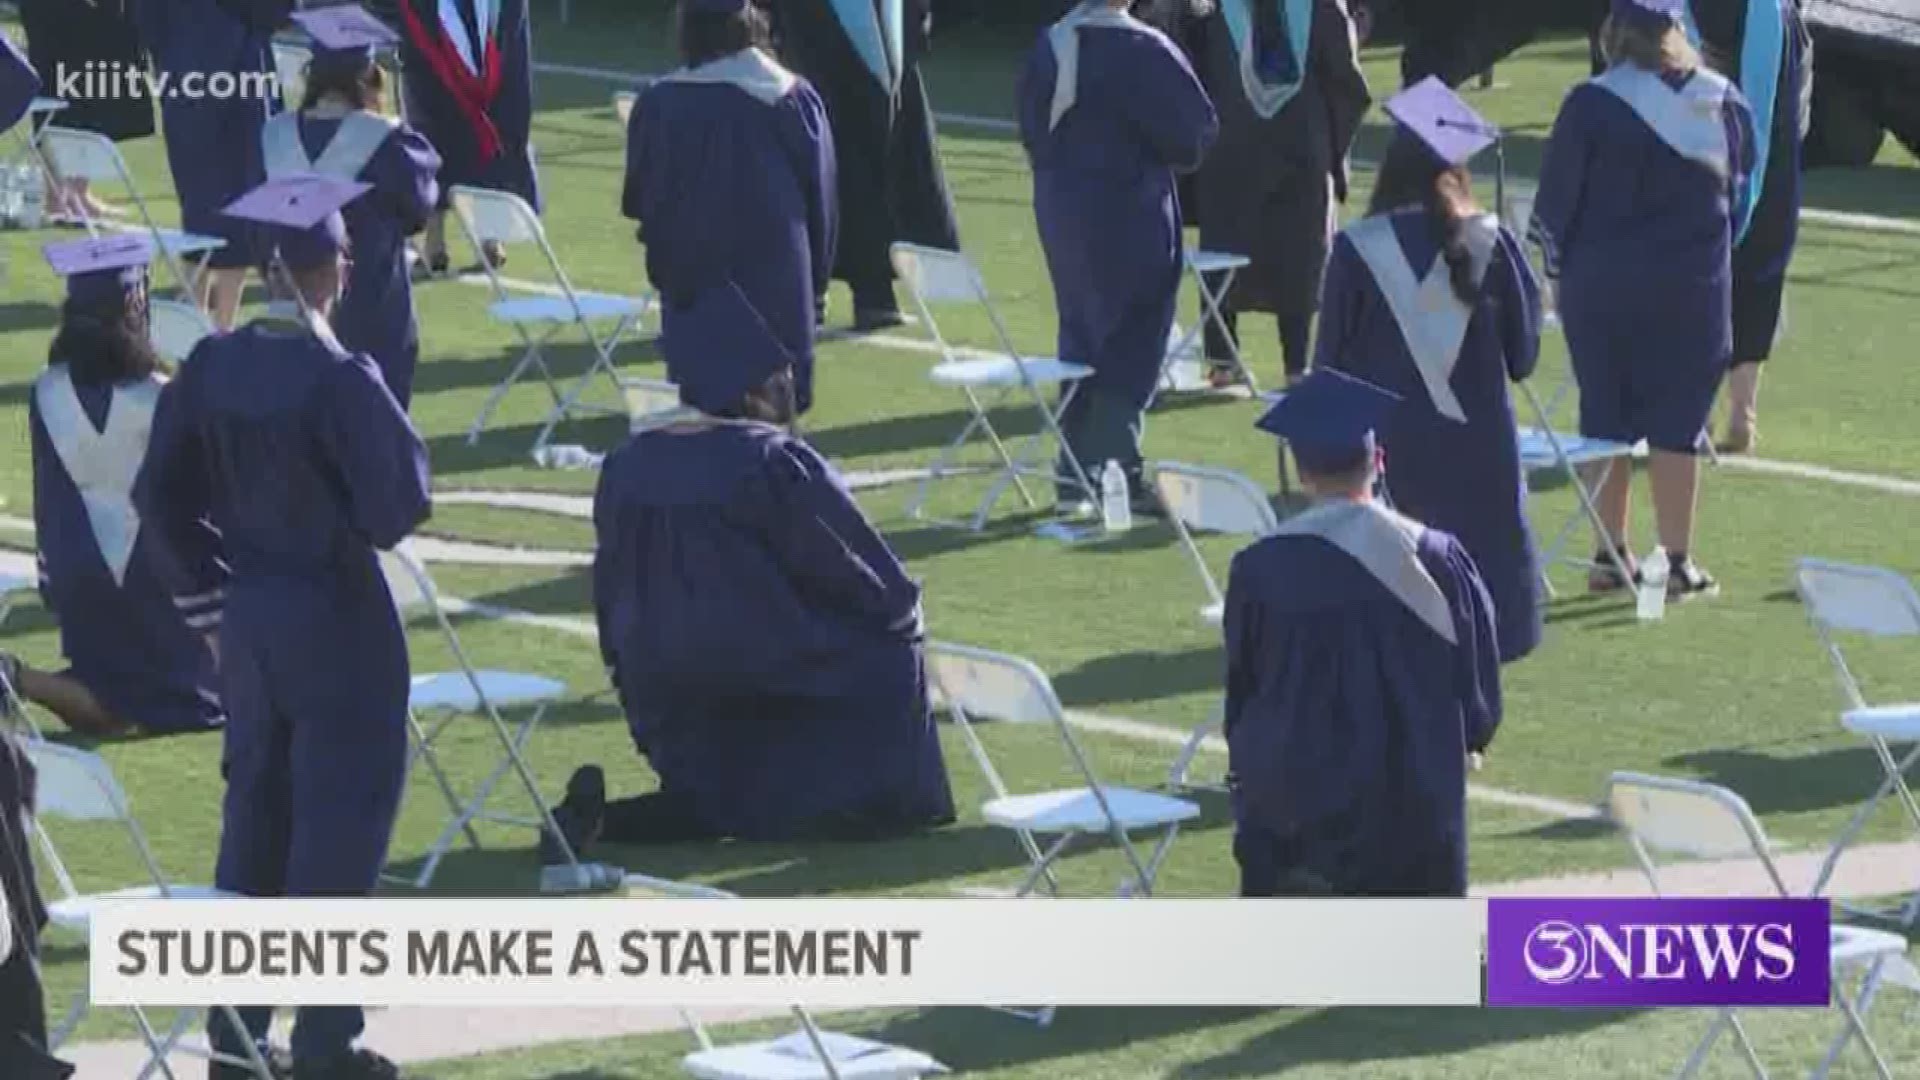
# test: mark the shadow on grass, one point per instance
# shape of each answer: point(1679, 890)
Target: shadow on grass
point(1567, 830)
point(1127, 678)
point(1817, 781)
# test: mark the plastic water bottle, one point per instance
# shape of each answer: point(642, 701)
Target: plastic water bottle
point(32, 195)
point(9, 199)
point(1652, 598)
point(1116, 505)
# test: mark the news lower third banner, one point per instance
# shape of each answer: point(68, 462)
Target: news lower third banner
point(1557, 953)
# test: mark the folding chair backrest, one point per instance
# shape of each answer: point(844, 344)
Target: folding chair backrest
point(1858, 599)
point(290, 64)
point(1214, 500)
point(75, 785)
point(83, 155)
point(176, 327)
point(1687, 818)
point(992, 686)
point(498, 217)
point(408, 581)
point(623, 103)
point(1517, 214)
point(939, 277)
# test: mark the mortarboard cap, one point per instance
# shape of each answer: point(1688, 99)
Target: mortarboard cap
point(1651, 13)
point(1328, 418)
point(1446, 124)
point(719, 348)
point(105, 267)
point(716, 7)
point(346, 36)
point(302, 214)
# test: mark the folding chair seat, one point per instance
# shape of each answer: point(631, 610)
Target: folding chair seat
point(945, 278)
point(90, 156)
point(470, 692)
point(1689, 819)
point(78, 786)
point(1875, 602)
point(175, 328)
point(539, 313)
point(1186, 343)
point(1545, 450)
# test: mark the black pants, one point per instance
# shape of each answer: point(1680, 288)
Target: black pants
point(1295, 337)
point(662, 817)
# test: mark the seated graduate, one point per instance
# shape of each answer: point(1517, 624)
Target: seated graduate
point(138, 660)
point(1362, 675)
point(765, 642)
point(339, 131)
point(1432, 299)
point(730, 173)
point(295, 450)
point(23, 1008)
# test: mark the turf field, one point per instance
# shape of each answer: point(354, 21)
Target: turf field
point(1734, 691)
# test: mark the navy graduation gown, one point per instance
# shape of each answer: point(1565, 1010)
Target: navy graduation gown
point(498, 153)
point(297, 453)
point(890, 183)
point(120, 630)
point(213, 147)
point(732, 180)
point(1106, 198)
point(1458, 473)
point(1641, 237)
point(376, 314)
point(765, 641)
point(19, 84)
point(1349, 719)
point(65, 35)
point(23, 1012)
point(1267, 189)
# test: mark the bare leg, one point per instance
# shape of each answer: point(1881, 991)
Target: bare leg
point(1610, 499)
point(223, 289)
point(1676, 486)
point(436, 241)
point(71, 701)
point(1743, 408)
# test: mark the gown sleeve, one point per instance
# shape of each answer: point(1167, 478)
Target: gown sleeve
point(378, 455)
point(1339, 311)
point(1563, 177)
point(512, 111)
point(19, 83)
point(1173, 111)
point(408, 180)
point(1520, 308)
point(1343, 85)
point(808, 134)
point(1477, 656)
point(827, 546)
point(174, 499)
point(1241, 627)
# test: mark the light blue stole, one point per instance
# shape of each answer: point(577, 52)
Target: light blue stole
point(1387, 545)
point(1268, 98)
point(878, 36)
point(1763, 48)
point(1690, 119)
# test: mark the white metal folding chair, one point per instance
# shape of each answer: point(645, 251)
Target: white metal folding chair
point(1201, 499)
point(78, 786)
point(623, 103)
point(1213, 299)
point(175, 328)
point(1843, 599)
point(90, 156)
point(290, 61)
point(945, 278)
point(1545, 450)
point(40, 111)
point(10, 585)
point(650, 403)
point(1693, 820)
point(505, 219)
point(444, 697)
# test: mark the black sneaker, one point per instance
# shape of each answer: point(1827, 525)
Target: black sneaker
point(279, 1063)
point(1689, 582)
point(867, 320)
point(579, 816)
point(352, 1065)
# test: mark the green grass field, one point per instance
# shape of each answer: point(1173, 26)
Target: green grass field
point(1735, 691)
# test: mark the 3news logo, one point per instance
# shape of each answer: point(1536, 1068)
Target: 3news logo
point(1677, 953)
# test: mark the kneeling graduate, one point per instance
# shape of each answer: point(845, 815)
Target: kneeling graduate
point(1363, 672)
point(766, 643)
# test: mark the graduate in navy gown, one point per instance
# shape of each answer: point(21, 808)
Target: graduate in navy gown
point(1111, 115)
point(23, 914)
point(19, 84)
point(1285, 75)
point(731, 174)
point(1432, 299)
point(339, 131)
point(137, 661)
point(863, 56)
point(1363, 676)
point(198, 45)
point(1644, 181)
point(467, 73)
point(294, 449)
point(765, 641)
point(1766, 48)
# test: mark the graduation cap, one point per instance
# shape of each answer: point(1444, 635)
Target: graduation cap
point(1442, 120)
point(719, 348)
point(1656, 14)
point(302, 214)
point(102, 268)
point(1328, 419)
point(345, 36)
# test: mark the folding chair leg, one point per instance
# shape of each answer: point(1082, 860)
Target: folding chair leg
point(941, 467)
point(463, 820)
point(1613, 552)
point(174, 1034)
point(1853, 1026)
point(1150, 874)
point(533, 356)
point(1893, 780)
point(423, 751)
point(1724, 1020)
point(1182, 765)
point(564, 406)
point(76, 1012)
point(157, 1050)
point(1044, 867)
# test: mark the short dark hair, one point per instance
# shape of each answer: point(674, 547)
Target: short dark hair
point(105, 342)
point(364, 86)
point(705, 37)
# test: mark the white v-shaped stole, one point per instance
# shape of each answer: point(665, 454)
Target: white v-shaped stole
point(1388, 546)
point(353, 145)
point(1432, 318)
point(1690, 119)
point(486, 14)
point(749, 69)
point(102, 464)
point(1064, 39)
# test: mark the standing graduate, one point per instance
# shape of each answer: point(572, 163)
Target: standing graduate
point(731, 175)
point(23, 914)
point(467, 74)
point(295, 450)
point(211, 146)
point(139, 662)
point(1433, 300)
point(766, 643)
point(1285, 75)
point(1362, 675)
point(863, 56)
point(1641, 192)
point(64, 37)
point(1111, 115)
point(339, 131)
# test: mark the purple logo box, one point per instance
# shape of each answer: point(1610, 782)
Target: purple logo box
point(1657, 952)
